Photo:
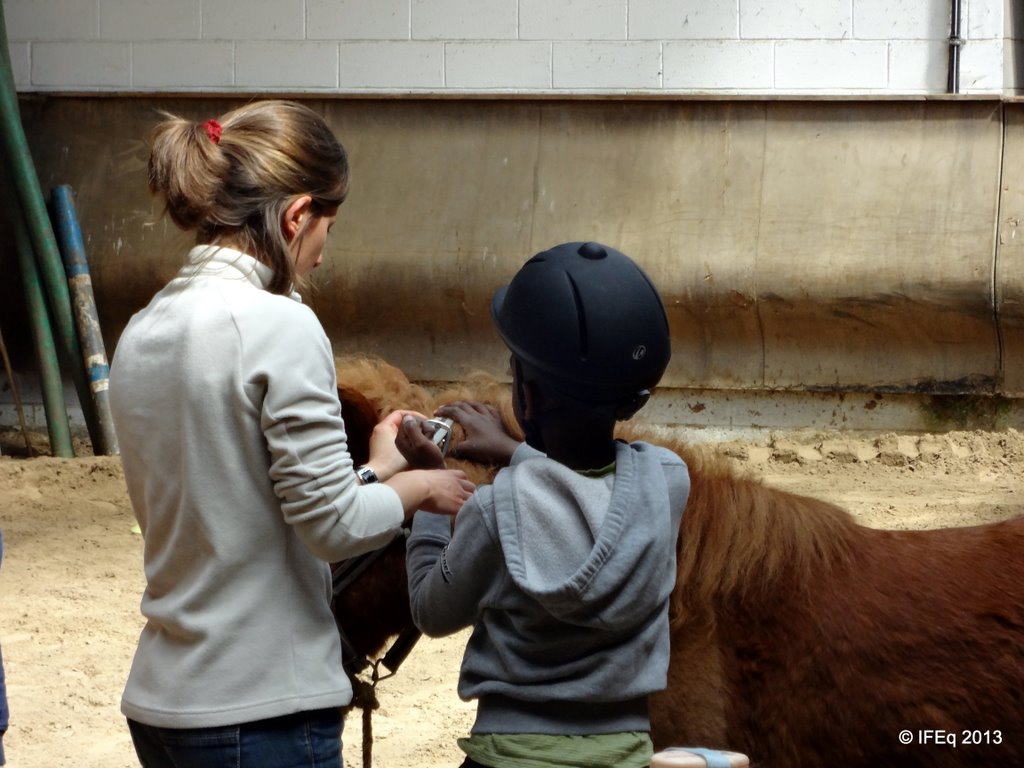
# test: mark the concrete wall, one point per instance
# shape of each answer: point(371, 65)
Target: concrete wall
point(800, 246)
point(462, 47)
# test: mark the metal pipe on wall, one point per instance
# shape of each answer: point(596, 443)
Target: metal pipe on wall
point(36, 219)
point(955, 43)
point(42, 333)
point(54, 405)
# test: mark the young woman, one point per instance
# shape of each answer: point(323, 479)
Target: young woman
point(224, 400)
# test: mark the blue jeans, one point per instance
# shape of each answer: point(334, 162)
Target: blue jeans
point(303, 740)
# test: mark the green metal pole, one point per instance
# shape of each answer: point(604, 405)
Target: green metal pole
point(15, 148)
point(49, 370)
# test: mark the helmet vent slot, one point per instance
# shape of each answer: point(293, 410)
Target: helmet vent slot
point(581, 318)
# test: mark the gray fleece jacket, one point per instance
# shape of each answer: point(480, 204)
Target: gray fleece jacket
point(565, 580)
point(226, 409)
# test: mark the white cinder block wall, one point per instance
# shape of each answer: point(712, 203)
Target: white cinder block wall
point(758, 47)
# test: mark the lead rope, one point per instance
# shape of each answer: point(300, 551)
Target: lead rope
point(368, 732)
point(364, 696)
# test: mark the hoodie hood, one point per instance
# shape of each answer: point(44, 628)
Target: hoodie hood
point(592, 551)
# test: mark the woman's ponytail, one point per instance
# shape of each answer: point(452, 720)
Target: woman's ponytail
point(185, 169)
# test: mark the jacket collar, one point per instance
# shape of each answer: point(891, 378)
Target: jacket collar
point(227, 262)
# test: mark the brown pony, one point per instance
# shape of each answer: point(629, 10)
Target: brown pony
point(375, 607)
point(798, 636)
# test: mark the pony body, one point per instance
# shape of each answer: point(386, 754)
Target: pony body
point(804, 639)
point(798, 636)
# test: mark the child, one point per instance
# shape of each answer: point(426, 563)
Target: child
point(564, 566)
point(226, 410)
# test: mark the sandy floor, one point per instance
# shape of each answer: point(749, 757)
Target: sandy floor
point(71, 580)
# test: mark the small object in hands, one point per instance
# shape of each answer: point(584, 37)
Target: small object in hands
point(442, 433)
point(366, 475)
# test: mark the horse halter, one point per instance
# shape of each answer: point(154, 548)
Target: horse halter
point(347, 572)
point(343, 575)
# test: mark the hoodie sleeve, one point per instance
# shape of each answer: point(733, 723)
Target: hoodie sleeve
point(450, 576)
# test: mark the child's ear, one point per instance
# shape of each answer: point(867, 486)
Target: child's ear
point(532, 400)
point(295, 216)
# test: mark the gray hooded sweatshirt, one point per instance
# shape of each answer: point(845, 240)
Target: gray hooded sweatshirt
point(565, 579)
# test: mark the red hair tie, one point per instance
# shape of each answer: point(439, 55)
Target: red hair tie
point(213, 130)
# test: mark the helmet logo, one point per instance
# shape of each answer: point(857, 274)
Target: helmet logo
point(640, 352)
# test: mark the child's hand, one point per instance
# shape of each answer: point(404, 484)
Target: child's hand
point(486, 439)
point(415, 444)
point(385, 457)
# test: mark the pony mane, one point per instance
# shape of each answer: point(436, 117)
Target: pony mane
point(740, 537)
point(382, 384)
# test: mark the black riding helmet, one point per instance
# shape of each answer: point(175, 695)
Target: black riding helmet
point(588, 319)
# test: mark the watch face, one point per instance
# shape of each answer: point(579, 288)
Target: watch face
point(367, 475)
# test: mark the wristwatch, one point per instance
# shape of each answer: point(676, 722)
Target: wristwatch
point(366, 475)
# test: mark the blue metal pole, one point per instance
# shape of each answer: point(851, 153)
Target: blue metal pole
point(76, 265)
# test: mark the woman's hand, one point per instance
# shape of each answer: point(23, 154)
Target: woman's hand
point(449, 490)
point(442, 491)
point(486, 439)
point(429, 486)
point(386, 459)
